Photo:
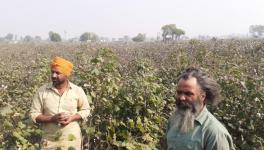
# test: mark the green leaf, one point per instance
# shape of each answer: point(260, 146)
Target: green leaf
point(7, 124)
point(116, 108)
point(58, 134)
point(21, 125)
point(90, 130)
point(93, 94)
point(89, 98)
point(131, 123)
point(71, 137)
point(6, 110)
point(95, 71)
point(140, 125)
point(71, 148)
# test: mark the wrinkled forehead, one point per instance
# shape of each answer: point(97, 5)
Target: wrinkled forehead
point(190, 83)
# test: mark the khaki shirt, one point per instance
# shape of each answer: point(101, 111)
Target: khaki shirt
point(48, 101)
point(208, 134)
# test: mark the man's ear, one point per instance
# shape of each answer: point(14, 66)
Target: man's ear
point(203, 95)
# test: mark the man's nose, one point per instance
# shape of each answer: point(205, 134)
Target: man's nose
point(54, 75)
point(182, 97)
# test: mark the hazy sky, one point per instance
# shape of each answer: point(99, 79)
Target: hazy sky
point(116, 18)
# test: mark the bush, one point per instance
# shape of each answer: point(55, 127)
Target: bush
point(130, 88)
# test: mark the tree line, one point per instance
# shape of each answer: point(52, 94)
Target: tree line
point(170, 32)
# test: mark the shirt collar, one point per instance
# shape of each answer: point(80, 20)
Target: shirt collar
point(202, 116)
point(70, 84)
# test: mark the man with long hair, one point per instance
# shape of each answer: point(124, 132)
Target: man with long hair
point(192, 126)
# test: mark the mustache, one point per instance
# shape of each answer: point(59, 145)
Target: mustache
point(183, 105)
point(55, 81)
point(54, 78)
point(194, 106)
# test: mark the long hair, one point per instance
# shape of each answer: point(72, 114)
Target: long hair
point(207, 85)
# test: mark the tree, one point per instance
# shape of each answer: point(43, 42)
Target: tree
point(37, 38)
point(9, 36)
point(171, 32)
point(89, 36)
point(139, 38)
point(178, 33)
point(28, 38)
point(168, 32)
point(54, 37)
point(256, 30)
point(126, 38)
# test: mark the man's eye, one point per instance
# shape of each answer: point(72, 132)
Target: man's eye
point(57, 73)
point(188, 93)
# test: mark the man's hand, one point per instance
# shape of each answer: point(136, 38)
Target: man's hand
point(60, 117)
point(66, 120)
point(70, 118)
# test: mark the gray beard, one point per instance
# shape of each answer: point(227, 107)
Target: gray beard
point(183, 119)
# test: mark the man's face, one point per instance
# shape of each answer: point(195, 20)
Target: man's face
point(189, 102)
point(57, 77)
point(189, 95)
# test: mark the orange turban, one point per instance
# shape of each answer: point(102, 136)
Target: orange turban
point(63, 65)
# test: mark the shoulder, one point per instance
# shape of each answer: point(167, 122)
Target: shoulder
point(41, 91)
point(215, 133)
point(75, 87)
point(43, 88)
point(214, 126)
point(209, 123)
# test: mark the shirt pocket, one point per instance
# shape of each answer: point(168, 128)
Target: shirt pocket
point(70, 103)
point(51, 104)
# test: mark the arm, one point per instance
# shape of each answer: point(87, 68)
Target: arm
point(219, 141)
point(83, 104)
point(44, 119)
point(36, 106)
point(84, 109)
point(58, 118)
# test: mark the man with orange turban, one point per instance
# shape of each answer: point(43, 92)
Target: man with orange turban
point(57, 106)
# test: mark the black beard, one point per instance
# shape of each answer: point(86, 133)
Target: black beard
point(57, 82)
